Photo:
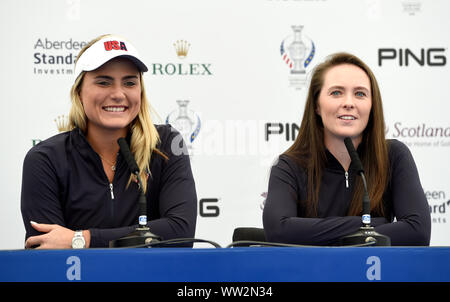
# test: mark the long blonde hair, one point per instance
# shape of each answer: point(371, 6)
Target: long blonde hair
point(144, 136)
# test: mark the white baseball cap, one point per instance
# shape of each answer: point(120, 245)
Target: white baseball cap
point(105, 49)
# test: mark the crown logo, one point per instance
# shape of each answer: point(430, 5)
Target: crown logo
point(62, 123)
point(181, 48)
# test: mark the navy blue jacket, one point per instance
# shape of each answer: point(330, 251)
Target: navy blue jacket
point(284, 218)
point(64, 183)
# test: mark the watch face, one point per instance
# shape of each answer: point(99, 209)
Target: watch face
point(78, 243)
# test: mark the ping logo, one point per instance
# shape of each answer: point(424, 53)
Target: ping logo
point(117, 45)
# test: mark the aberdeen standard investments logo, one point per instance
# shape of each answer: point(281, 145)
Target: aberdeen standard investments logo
point(55, 57)
point(297, 51)
point(439, 205)
point(181, 67)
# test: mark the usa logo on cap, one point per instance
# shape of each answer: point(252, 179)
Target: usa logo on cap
point(117, 45)
point(105, 49)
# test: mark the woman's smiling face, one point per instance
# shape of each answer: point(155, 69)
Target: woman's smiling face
point(111, 95)
point(345, 102)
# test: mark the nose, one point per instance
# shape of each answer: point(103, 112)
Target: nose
point(117, 93)
point(348, 102)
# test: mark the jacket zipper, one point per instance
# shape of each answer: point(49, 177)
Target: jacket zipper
point(111, 188)
point(112, 192)
point(346, 179)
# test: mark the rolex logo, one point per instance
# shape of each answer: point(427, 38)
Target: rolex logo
point(181, 48)
point(181, 68)
point(62, 123)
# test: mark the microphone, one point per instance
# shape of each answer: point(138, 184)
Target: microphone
point(132, 165)
point(126, 153)
point(366, 233)
point(353, 154)
point(141, 236)
point(359, 167)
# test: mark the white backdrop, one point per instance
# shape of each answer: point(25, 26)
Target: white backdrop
point(238, 83)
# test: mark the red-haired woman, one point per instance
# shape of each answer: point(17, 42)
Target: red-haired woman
point(315, 194)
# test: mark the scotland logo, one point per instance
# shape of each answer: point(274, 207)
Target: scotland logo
point(186, 121)
point(297, 51)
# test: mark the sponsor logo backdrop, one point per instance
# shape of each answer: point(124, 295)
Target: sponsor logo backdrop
point(232, 76)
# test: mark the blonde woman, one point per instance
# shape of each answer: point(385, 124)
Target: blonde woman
point(77, 184)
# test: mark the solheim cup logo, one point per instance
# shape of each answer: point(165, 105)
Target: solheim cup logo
point(297, 51)
point(186, 121)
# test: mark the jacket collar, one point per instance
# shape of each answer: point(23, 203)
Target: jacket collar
point(85, 149)
point(333, 164)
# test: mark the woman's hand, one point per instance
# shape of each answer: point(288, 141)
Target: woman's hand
point(56, 237)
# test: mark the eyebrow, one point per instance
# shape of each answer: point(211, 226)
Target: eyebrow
point(112, 79)
point(361, 88)
point(343, 88)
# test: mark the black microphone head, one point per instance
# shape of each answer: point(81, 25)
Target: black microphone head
point(349, 145)
point(353, 154)
point(126, 153)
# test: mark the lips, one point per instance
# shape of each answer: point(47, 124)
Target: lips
point(347, 117)
point(114, 108)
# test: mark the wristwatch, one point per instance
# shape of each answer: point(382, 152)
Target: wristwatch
point(78, 241)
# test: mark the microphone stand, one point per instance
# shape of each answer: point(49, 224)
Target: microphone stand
point(141, 235)
point(366, 233)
